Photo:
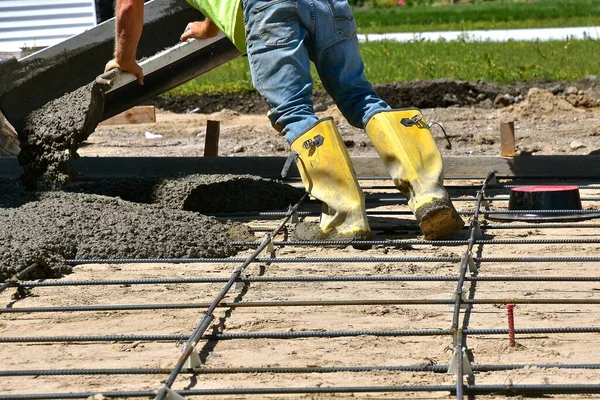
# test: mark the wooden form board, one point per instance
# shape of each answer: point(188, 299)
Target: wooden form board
point(270, 167)
point(135, 115)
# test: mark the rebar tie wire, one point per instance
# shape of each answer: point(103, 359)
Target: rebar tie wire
point(205, 322)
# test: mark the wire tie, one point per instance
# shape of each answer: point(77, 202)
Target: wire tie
point(431, 124)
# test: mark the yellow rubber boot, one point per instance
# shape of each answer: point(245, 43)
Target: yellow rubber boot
point(408, 150)
point(327, 174)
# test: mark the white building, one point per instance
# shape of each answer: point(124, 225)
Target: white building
point(32, 24)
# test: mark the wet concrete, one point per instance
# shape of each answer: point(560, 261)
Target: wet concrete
point(52, 134)
point(225, 193)
point(128, 218)
point(201, 193)
point(49, 227)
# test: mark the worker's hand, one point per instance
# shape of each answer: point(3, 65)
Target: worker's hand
point(200, 30)
point(131, 67)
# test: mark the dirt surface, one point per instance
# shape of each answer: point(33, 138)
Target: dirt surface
point(554, 118)
point(361, 350)
point(557, 118)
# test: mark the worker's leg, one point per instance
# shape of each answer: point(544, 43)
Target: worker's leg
point(334, 50)
point(327, 174)
point(280, 64)
point(404, 143)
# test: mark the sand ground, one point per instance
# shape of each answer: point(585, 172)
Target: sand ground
point(546, 124)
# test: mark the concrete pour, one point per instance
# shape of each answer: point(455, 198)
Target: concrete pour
point(214, 193)
point(52, 134)
point(49, 227)
point(102, 219)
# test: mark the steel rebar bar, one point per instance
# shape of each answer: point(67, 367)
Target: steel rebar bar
point(205, 322)
point(468, 389)
point(293, 335)
point(12, 282)
point(316, 260)
point(439, 368)
point(246, 214)
point(414, 242)
point(293, 303)
point(284, 279)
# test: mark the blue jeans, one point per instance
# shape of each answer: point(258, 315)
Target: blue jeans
point(282, 37)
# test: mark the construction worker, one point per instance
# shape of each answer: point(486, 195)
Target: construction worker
point(281, 38)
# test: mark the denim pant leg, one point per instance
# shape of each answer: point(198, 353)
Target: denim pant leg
point(280, 64)
point(339, 64)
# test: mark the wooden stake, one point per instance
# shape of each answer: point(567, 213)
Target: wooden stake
point(507, 139)
point(135, 115)
point(211, 142)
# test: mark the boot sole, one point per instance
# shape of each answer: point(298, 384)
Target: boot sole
point(440, 223)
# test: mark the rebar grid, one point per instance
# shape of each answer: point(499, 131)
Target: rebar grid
point(458, 332)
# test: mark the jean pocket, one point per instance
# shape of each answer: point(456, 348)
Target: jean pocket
point(277, 22)
point(343, 19)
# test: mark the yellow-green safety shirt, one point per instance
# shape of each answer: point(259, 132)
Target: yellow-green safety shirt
point(228, 16)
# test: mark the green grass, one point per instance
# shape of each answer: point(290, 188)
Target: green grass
point(487, 15)
point(493, 62)
point(387, 62)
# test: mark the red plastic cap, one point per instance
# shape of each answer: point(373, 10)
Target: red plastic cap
point(543, 188)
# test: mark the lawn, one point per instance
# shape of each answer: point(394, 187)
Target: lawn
point(493, 62)
point(487, 15)
point(387, 62)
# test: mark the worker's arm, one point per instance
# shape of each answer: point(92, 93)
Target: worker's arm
point(200, 30)
point(129, 23)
